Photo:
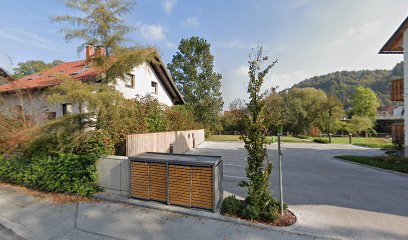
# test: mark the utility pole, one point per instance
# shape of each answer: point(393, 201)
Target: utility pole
point(280, 172)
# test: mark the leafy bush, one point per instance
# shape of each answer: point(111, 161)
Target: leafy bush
point(231, 205)
point(320, 140)
point(302, 136)
point(271, 213)
point(250, 212)
point(67, 173)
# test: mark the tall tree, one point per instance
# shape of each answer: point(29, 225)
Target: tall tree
point(193, 71)
point(98, 23)
point(259, 166)
point(331, 114)
point(276, 112)
point(102, 23)
point(365, 103)
point(306, 105)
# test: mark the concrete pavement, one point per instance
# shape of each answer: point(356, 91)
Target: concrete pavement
point(36, 218)
point(329, 196)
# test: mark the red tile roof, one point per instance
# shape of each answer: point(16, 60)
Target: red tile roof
point(50, 77)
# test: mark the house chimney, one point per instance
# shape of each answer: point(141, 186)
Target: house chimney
point(99, 51)
point(90, 52)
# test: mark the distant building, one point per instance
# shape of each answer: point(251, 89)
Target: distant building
point(398, 44)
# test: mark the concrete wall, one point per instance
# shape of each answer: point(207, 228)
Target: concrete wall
point(113, 174)
point(33, 103)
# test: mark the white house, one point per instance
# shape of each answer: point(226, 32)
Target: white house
point(397, 44)
point(25, 95)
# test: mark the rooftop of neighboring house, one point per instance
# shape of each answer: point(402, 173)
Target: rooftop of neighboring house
point(84, 71)
point(388, 109)
point(4, 73)
point(394, 45)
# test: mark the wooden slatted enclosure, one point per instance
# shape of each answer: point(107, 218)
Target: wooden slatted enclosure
point(180, 185)
point(139, 180)
point(397, 131)
point(397, 90)
point(158, 182)
point(202, 187)
point(178, 179)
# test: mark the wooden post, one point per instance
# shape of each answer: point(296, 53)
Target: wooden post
point(350, 136)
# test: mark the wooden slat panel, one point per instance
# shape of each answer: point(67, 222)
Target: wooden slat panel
point(180, 185)
point(397, 90)
point(139, 181)
point(202, 188)
point(158, 182)
point(160, 142)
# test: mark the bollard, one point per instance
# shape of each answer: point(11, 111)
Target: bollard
point(350, 136)
point(193, 142)
point(280, 173)
point(330, 136)
point(171, 148)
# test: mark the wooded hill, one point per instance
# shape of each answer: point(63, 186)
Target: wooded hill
point(342, 84)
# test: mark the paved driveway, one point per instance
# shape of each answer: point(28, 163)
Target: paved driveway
point(329, 196)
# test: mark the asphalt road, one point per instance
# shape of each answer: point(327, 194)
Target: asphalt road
point(329, 196)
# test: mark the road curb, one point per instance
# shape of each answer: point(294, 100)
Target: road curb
point(372, 167)
point(14, 227)
point(209, 215)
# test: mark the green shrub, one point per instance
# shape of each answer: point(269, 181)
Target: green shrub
point(271, 213)
point(250, 212)
point(302, 136)
point(231, 205)
point(67, 173)
point(93, 142)
point(320, 140)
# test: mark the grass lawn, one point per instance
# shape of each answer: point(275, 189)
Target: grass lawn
point(372, 142)
point(235, 138)
point(394, 163)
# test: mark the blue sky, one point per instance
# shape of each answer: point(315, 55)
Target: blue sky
point(309, 37)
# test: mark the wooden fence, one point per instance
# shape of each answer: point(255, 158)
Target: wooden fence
point(160, 142)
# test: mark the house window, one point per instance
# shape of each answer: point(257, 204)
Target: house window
point(130, 80)
point(154, 87)
point(51, 115)
point(66, 108)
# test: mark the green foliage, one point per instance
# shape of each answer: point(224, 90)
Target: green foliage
point(250, 212)
point(178, 117)
point(391, 162)
point(360, 124)
point(98, 23)
point(365, 103)
point(271, 213)
point(231, 205)
point(259, 166)
point(320, 140)
point(67, 173)
point(33, 66)
point(342, 84)
point(305, 106)
point(235, 118)
point(329, 118)
point(192, 70)
point(277, 112)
